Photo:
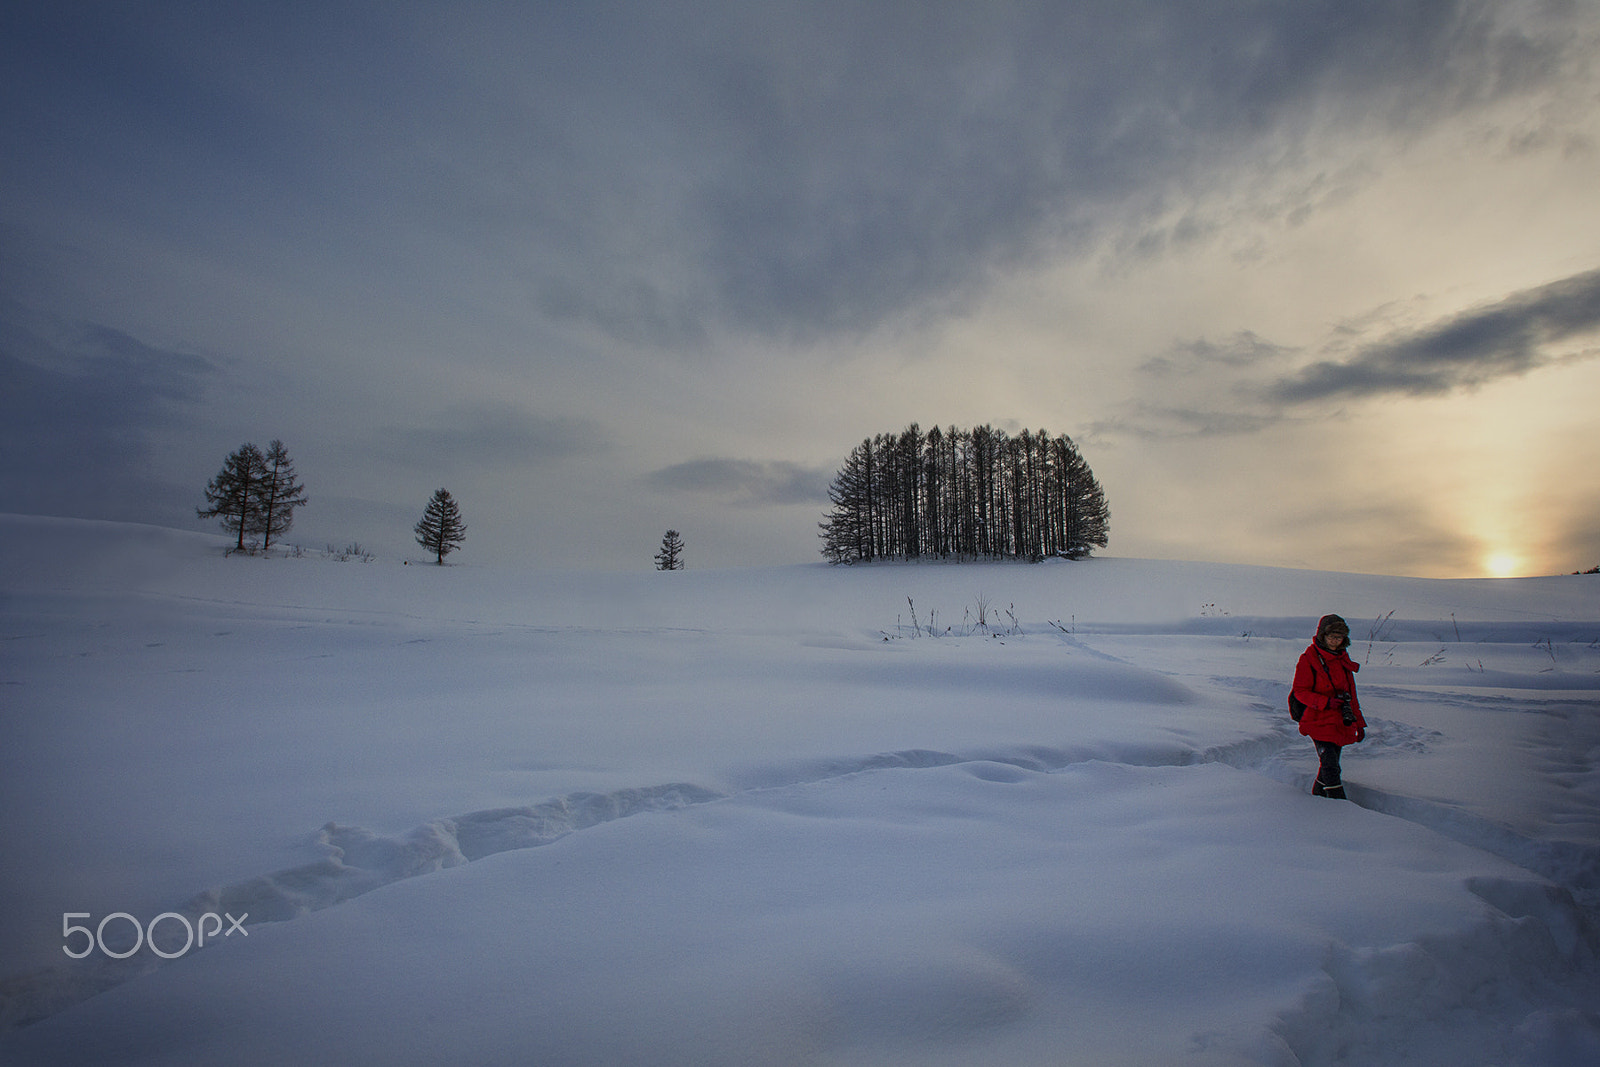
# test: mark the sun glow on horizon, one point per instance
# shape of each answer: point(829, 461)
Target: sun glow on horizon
point(1502, 564)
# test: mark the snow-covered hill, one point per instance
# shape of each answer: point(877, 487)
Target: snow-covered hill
point(805, 815)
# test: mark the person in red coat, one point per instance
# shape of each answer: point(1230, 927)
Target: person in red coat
point(1325, 682)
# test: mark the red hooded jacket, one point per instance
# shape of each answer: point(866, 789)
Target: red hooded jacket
point(1318, 676)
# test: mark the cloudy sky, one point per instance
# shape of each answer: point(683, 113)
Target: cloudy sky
point(1312, 283)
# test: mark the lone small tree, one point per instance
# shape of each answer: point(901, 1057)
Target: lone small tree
point(234, 495)
point(670, 558)
point(441, 529)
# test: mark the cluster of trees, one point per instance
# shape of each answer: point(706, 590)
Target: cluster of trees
point(964, 494)
point(255, 494)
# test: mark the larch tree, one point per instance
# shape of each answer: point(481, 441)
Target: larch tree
point(441, 530)
point(235, 495)
point(670, 558)
point(280, 493)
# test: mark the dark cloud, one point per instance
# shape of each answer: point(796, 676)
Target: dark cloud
point(744, 482)
point(1153, 423)
point(899, 157)
point(661, 170)
point(78, 409)
point(1519, 334)
point(490, 435)
point(1244, 349)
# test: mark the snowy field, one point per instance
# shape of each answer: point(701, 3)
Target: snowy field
point(804, 815)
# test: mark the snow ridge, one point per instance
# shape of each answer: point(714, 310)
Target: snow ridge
point(358, 862)
point(1535, 949)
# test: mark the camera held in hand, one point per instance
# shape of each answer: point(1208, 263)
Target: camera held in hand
point(1346, 712)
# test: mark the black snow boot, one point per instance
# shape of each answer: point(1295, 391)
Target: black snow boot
point(1332, 792)
point(1329, 783)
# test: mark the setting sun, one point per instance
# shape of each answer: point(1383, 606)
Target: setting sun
point(1502, 564)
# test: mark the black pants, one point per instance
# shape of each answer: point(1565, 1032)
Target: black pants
point(1328, 783)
